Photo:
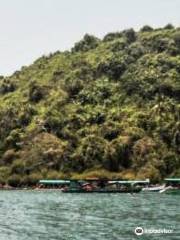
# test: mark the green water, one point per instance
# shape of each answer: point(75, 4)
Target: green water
point(51, 215)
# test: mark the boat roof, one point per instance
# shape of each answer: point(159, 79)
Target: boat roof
point(130, 181)
point(61, 181)
point(172, 179)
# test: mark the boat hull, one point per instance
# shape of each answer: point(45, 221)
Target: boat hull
point(153, 189)
point(101, 191)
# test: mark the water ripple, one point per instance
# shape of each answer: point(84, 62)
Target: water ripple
point(52, 215)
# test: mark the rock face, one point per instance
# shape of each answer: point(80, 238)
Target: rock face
point(107, 108)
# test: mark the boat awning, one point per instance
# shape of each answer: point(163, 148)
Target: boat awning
point(54, 182)
point(172, 179)
point(130, 181)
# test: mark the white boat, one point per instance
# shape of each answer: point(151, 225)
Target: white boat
point(154, 188)
point(172, 186)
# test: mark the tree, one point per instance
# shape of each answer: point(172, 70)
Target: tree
point(89, 42)
point(169, 26)
point(146, 28)
point(130, 35)
point(176, 38)
point(36, 92)
point(118, 154)
point(90, 153)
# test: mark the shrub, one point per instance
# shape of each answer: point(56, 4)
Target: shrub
point(14, 138)
point(118, 154)
point(113, 68)
point(130, 35)
point(18, 167)
point(14, 180)
point(118, 45)
point(9, 156)
point(36, 92)
point(146, 28)
point(89, 42)
point(171, 162)
point(135, 50)
point(160, 45)
point(6, 87)
point(53, 122)
point(143, 146)
point(4, 172)
point(151, 172)
point(26, 115)
point(90, 153)
point(97, 173)
point(176, 38)
point(73, 86)
point(169, 26)
point(31, 180)
point(110, 130)
point(53, 175)
point(112, 36)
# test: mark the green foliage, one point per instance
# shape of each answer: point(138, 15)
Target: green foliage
point(113, 67)
point(17, 167)
point(26, 115)
point(36, 92)
point(107, 108)
point(146, 28)
point(14, 180)
point(130, 35)
point(90, 153)
point(7, 86)
point(9, 156)
point(118, 154)
point(89, 42)
point(13, 139)
point(169, 26)
point(4, 174)
point(73, 86)
point(176, 38)
point(112, 36)
point(30, 180)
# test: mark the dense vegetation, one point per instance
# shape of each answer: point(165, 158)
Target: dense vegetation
point(107, 108)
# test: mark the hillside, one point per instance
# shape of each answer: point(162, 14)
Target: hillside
point(107, 108)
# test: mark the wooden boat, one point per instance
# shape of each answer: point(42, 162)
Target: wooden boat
point(137, 190)
point(104, 186)
point(53, 184)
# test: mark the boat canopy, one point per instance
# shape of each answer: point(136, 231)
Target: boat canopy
point(61, 181)
point(130, 181)
point(54, 182)
point(172, 179)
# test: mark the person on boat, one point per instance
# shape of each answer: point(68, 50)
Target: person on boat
point(64, 188)
point(87, 187)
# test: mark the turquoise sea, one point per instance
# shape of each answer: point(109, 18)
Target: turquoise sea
point(52, 215)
